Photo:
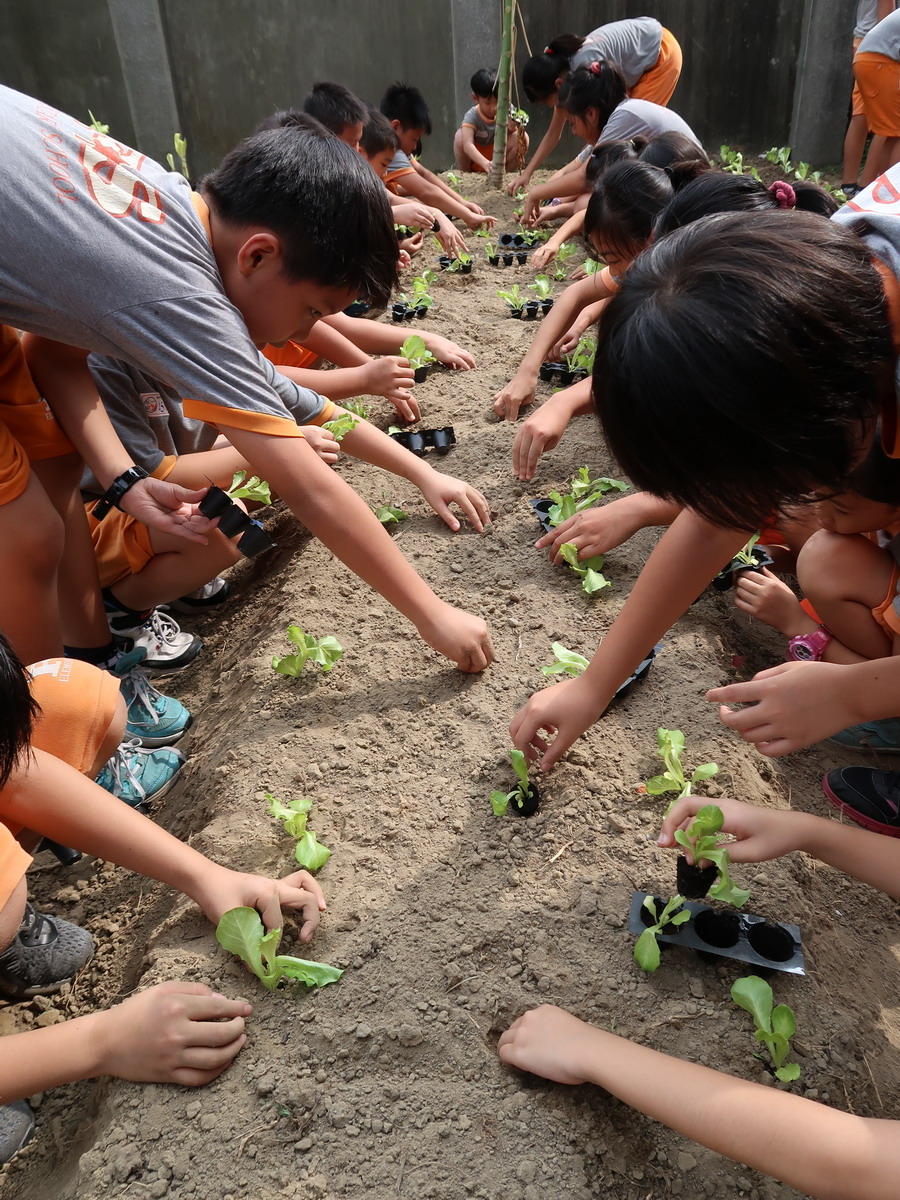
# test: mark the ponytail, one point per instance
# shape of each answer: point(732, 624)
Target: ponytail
point(716, 192)
point(540, 73)
point(599, 86)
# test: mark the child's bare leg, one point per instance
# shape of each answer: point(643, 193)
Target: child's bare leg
point(31, 546)
point(877, 158)
point(462, 159)
point(845, 577)
point(80, 601)
point(177, 567)
point(11, 914)
point(111, 739)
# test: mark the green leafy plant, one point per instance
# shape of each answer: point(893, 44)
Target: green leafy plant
point(670, 747)
point(519, 211)
point(421, 284)
point(567, 661)
point(520, 116)
point(462, 259)
point(591, 266)
point(241, 932)
point(416, 352)
point(701, 840)
point(780, 156)
point(500, 801)
point(512, 297)
point(98, 125)
point(356, 407)
point(646, 948)
point(582, 357)
point(583, 493)
point(745, 554)
point(325, 651)
point(589, 570)
point(403, 231)
point(253, 488)
point(309, 851)
point(490, 250)
point(181, 153)
point(774, 1026)
point(453, 179)
point(390, 516)
point(541, 287)
point(341, 425)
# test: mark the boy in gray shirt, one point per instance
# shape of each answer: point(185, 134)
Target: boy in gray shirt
point(473, 144)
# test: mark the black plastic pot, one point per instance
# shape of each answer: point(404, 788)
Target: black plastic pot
point(725, 578)
point(521, 259)
point(578, 374)
point(546, 305)
point(409, 314)
point(444, 261)
point(442, 440)
point(694, 882)
point(648, 919)
point(63, 854)
point(398, 312)
point(494, 260)
point(726, 933)
point(420, 374)
point(508, 260)
point(639, 675)
point(421, 311)
point(531, 310)
point(358, 308)
point(565, 377)
point(254, 541)
point(519, 239)
point(416, 443)
point(516, 313)
point(234, 521)
point(506, 239)
point(550, 369)
point(215, 502)
point(466, 268)
point(530, 803)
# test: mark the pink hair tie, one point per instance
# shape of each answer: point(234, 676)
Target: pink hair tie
point(547, 50)
point(784, 194)
point(595, 68)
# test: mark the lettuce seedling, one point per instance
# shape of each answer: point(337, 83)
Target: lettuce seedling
point(416, 352)
point(646, 948)
point(774, 1026)
point(180, 144)
point(513, 297)
point(341, 425)
point(701, 840)
point(541, 287)
point(582, 357)
point(309, 851)
point(462, 260)
point(357, 408)
point(390, 516)
point(253, 488)
point(590, 569)
point(670, 747)
point(745, 554)
point(567, 661)
point(500, 801)
point(324, 651)
point(583, 493)
point(241, 932)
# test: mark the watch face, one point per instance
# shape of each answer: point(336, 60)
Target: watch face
point(802, 651)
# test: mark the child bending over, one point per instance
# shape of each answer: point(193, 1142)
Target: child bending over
point(473, 144)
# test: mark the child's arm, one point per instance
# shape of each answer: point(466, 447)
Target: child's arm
point(548, 142)
point(55, 800)
point(586, 318)
point(444, 187)
point(370, 444)
point(180, 1033)
point(467, 141)
point(377, 337)
point(689, 554)
point(340, 519)
point(823, 1153)
point(599, 530)
point(544, 255)
point(411, 212)
point(391, 377)
point(567, 183)
point(520, 389)
point(544, 428)
point(427, 187)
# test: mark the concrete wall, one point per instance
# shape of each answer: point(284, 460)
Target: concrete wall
point(756, 72)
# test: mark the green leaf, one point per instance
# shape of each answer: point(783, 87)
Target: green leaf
point(520, 766)
point(293, 815)
point(704, 771)
point(416, 352)
point(593, 582)
point(341, 425)
point(662, 783)
point(326, 652)
point(390, 516)
point(646, 950)
point(707, 821)
point(784, 1021)
point(670, 741)
point(566, 660)
point(313, 974)
point(788, 1073)
point(680, 918)
point(310, 852)
point(296, 635)
point(500, 802)
point(754, 996)
point(569, 554)
point(254, 489)
point(241, 932)
point(288, 664)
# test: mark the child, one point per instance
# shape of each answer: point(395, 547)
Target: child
point(648, 56)
point(844, 1155)
point(338, 110)
point(473, 145)
point(408, 114)
point(292, 226)
point(876, 67)
point(868, 14)
point(594, 101)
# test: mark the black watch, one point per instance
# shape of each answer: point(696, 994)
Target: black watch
point(112, 497)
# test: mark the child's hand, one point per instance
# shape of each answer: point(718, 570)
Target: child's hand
point(390, 376)
point(180, 1033)
point(762, 834)
point(446, 352)
point(443, 490)
point(323, 442)
point(169, 508)
point(403, 259)
point(459, 636)
point(520, 181)
point(594, 531)
point(475, 208)
point(565, 710)
point(543, 256)
point(219, 889)
point(413, 213)
point(451, 239)
point(549, 1042)
point(476, 220)
point(530, 210)
point(518, 393)
point(412, 245)
point(539, 433)
point(769, 599)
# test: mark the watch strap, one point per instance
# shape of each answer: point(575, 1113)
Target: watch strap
point(112, 497)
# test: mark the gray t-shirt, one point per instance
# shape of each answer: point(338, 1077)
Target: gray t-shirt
point(633, 118)
point(484, 130)
point(866, 16)
point(884, 38)
point(148, 415)
point(105, 251)
point(400, 162)
point(633, 44)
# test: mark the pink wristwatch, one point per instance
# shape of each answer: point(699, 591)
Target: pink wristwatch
point(809, 647)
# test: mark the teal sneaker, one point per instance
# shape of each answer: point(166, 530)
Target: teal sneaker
point(140, 776)
point(154, 719)
point(881, 737)
point(16, 1129)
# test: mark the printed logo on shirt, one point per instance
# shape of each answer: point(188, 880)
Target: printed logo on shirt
point(59, 668)
point(154, 405)
point(880, 197)
point(109, 171)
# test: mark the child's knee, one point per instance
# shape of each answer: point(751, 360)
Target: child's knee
point(12, 912)
point(836, 565)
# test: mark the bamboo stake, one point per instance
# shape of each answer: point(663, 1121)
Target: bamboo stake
point(498, 165)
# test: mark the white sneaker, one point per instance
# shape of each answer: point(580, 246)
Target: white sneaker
point(167, 647)
point(204, 599)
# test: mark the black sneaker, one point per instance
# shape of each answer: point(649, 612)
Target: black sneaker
point(16, 1128)
point(867, 796)
point(850, 190)
point(46, 953)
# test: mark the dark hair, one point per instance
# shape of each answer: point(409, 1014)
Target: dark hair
point(290, 118)
point(335, 106)
point(717, 192)
point(624, 205)
point(877, 477)
point(606, 154)
point(540, 73)
point(19, 709)
point(742, 361)
point(484, 83)
point(665, 150)
point(407, 105)
point(599, 86)
point(378, 134)
point(321, 199)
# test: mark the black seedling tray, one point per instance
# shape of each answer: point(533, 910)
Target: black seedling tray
point(542, 512)
point(558, 372)
point(441, 441)
point(638, 675)
point(725, 578)
point(771, 946)
point(233, 520)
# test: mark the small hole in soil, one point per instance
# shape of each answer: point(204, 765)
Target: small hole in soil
point(720, 929)
point(771, 941)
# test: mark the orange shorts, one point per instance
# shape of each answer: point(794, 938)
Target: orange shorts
point(658, 84)
point(122, 545)
point(856, 100)
point(396, 177)
point(885, 613)
point(878, 79)
point(14, 862)
point(25, 414)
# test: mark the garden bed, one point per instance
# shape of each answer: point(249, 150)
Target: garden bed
point(451, 922)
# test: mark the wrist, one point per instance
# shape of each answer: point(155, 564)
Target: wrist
point(97, 1048)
